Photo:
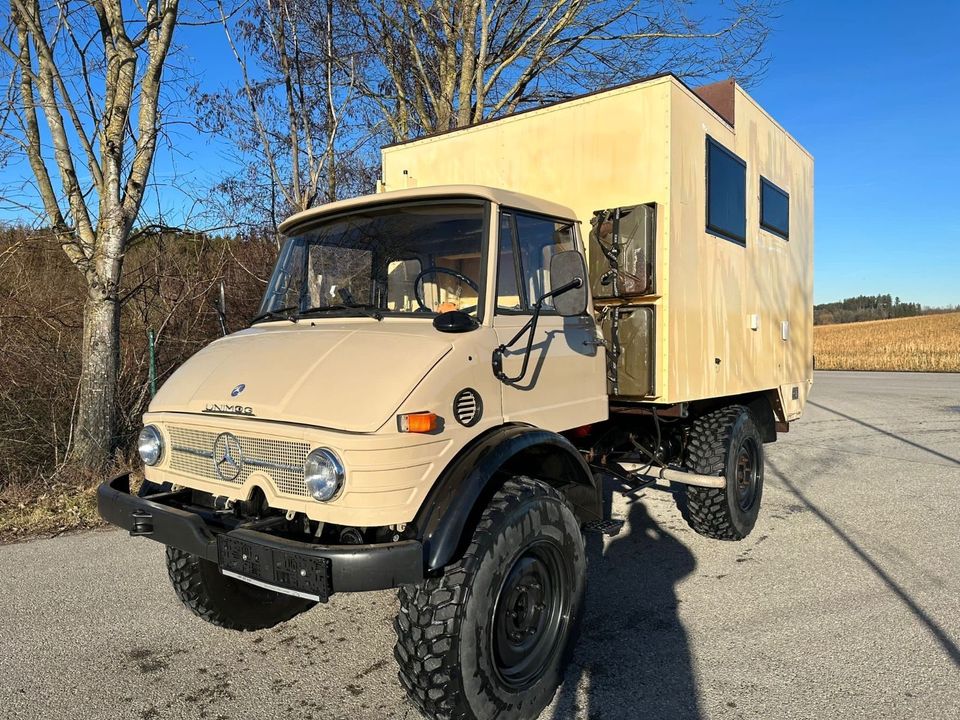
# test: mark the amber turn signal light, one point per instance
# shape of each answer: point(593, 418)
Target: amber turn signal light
point(425, 422)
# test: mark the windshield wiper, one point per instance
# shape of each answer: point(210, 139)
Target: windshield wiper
point(363, 308)
point(278, 314)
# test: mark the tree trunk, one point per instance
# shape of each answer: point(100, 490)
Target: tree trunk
point(94, 438)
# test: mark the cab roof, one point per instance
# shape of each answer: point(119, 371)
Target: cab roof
point(508, 198)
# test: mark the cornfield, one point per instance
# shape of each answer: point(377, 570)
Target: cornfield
point(930, 343)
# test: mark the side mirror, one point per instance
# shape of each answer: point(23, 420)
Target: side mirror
point(455, 321)
point(565, 269)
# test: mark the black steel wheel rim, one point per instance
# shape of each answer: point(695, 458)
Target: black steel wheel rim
point(747, 473)
point(531, 615)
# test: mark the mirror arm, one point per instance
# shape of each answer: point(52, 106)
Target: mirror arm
point(531, 326)
point(498, 353)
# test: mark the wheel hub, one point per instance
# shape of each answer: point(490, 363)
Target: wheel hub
point(524, 611)
point(747, 474)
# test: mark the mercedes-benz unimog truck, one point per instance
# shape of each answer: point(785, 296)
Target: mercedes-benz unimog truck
point(441, 373)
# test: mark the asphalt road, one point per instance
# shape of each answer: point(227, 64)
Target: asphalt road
point(843, 603)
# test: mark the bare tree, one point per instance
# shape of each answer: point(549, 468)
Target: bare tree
point(289, 118)
point(314, 73)
point(93, 72)
point(450, 63)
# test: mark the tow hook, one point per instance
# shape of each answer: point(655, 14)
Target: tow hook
point(142, 523)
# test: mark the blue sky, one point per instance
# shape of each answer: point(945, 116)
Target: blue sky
point(872, 89)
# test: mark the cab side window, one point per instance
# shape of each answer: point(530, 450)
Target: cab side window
point(527, 244)
point(508, 288)
point(539, 240)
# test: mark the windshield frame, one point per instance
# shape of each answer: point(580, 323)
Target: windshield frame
point(483, 294)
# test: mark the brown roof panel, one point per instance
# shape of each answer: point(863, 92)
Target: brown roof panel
point(720, 97)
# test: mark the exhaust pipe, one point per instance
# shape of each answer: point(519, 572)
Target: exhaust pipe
point(676, 476)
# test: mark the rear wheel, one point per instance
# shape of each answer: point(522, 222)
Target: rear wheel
point(224, 601)
point(489, 637)
point(724, 442)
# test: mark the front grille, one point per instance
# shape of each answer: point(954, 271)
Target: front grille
point(191, 453)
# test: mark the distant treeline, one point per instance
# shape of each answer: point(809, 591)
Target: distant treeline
point(871, 307)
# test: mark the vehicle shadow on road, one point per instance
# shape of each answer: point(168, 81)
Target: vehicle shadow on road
point(889, 434)
point(632, 660)
point(936, 631)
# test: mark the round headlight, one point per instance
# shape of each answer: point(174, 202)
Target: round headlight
point(323, 474)
point(150, 445)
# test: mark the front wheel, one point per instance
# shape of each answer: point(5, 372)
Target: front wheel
point(224, 601)
point(724, 442)
point(489, 637)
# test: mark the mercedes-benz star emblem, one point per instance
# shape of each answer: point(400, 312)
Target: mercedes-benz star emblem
point(227, 457)
point(237, 390)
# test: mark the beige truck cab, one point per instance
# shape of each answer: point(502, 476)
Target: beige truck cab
point(436, 385)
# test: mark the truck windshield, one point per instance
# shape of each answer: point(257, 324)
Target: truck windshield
point(400, 259)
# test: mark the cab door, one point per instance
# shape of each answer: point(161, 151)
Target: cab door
point(565, 383)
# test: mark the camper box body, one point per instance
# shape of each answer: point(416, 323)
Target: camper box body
point(726, 315)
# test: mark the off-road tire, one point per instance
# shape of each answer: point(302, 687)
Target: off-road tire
point(713, 448)
point(447, 635)
point(224, 601)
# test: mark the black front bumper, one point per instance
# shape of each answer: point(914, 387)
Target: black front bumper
point(290, 565)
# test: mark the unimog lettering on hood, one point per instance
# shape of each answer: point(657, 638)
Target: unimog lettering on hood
point(229, 409)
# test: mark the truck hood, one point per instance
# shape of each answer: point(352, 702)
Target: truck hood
point(344, 376)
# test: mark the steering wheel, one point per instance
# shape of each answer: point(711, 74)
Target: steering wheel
point(434, 269)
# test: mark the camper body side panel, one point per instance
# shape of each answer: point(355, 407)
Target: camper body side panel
point(728, 301)
point(589, 153)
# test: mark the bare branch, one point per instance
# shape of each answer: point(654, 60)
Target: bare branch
point(446, 64)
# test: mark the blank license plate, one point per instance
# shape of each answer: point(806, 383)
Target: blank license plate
point(282, 571)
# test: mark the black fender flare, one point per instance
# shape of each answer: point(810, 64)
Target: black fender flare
point(451, 510)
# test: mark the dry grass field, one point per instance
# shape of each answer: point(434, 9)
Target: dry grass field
point(929, 343)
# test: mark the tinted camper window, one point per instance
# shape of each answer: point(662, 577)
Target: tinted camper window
point(774, 209)
point(726, 193)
